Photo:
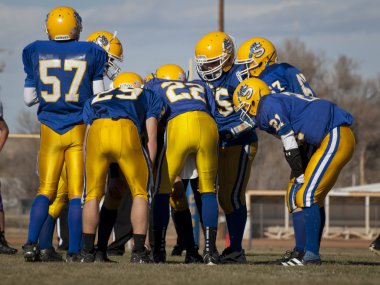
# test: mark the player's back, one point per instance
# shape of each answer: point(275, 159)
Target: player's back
point(136, 104)
point(283, 77)
point(62, 74)
point(181, 97)
point(312, 117)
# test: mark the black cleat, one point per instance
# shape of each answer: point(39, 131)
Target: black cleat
point(302, 262)
point(31, 252)
point(232, 257)
point(375, 246)
point(73, 257)
point(290, 254)
point(194, 257)
point(4, 246)
point(50, 255)
point(87, 257)
point(140, 257)
point(101, 257)
point(211, 258)
point(177, 250)
point(159, 257)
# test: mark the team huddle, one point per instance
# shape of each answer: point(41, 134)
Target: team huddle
point(163, 130)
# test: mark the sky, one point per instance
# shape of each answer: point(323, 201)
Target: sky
point(156, 32)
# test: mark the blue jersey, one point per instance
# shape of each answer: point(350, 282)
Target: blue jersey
point(283, 77)
point(309, 118)
point(136, 104)
point(62, 74)
point(181, 97)
point(226, 117)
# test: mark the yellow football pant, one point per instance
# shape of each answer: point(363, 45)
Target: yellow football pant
point(235, 163)
point(115, 141)
point(55, 150)
point(189, 133)
point(325, 165)
point(61, 199)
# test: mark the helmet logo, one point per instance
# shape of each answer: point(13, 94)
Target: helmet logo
point(102, 41)
point(256, 50)
point(245, 91)
point(227, 45)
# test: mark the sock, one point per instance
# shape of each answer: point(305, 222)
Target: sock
point(236, 224)
point(38, 214)
point(185, 229)
point(106, 222)
point(139, 242)
point(299, 231)
point(75, 225)
point(209, 210)
point(210, 239)
point(313, 226)
point(88, 242)
point(46, 234)
point(323, 221)
point(178, 225)
point(159, 242)
point(161, 211)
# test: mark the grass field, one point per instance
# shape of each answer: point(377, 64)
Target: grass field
point(343, 263)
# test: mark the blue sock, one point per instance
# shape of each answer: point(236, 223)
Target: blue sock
point(236, 224)
point(160, 211)
point(313, 226)
point(323, 221)
point(75, 225)
point(45, 239)
point(299, 230)
point(209, 210)
point(38, 214)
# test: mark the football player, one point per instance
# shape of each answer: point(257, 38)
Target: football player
point(214, 57)
point(259, 57)
point(189, 106)
point(4, 247)
point(375, 246)
point(319, 123)
point(61, 74)
point(116, 119)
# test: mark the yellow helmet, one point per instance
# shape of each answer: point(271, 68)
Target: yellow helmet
point(128, 80)
point(63, 23)
point(148, 77)
point(171, 72)
point(112, 45)
point(256, 54)
point(247, 96)
point(214, 54)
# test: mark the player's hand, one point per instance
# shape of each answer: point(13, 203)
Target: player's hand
point(178, 190)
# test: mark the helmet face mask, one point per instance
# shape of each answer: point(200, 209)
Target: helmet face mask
point(63, 23)
point(214, 54)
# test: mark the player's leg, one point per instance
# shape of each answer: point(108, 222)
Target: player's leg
point(134, 164)
point(75, 182)
point(320, 176)
point(4, 247)
point(207, 165)
point(50, 163)
point(235, 163)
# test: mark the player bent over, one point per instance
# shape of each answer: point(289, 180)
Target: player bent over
point(319, 123)
point(116, 118)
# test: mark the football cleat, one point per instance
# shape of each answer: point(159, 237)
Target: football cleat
point(211, 258)
point(140, 257)
point(302, 262)
point(177, 250)
point(4, 247)
point(236, 257)
point(194, 257)
point(159, 257)
point(73, 257)
point(375, 246)
point(50, 255)
point(31, 252)
point(101, 257)
point(288, 255)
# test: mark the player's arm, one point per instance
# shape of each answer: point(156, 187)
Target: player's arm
point(4, 132)
point(97, 86)
point(151, 131)
point(293, 155)
point(30, 96)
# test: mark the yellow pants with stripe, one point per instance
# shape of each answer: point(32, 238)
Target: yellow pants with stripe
point(235, 163)
point(61, 198)
point(116, 141)
point(189, 133)
point(55, 150)
point(325, 165)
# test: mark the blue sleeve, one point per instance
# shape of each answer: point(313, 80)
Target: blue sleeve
point(87, 112)
point(101, 58)
point(28, 67)
point(155, 105)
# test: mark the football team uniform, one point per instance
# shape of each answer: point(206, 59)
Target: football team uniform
point(62, 74)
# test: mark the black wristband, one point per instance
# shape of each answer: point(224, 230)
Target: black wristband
point(293, 157)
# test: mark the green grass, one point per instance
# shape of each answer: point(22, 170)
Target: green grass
point(340, 266)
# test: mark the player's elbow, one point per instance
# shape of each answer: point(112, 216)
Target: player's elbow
point(30, 96)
